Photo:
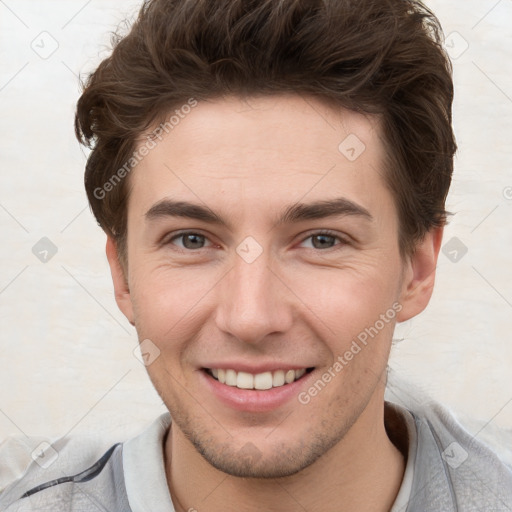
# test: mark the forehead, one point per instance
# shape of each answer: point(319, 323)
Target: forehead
point(264, 151)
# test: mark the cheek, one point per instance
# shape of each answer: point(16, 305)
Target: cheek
point(167, 302)
point(347, 300)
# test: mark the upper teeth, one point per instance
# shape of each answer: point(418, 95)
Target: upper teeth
point(265, 380)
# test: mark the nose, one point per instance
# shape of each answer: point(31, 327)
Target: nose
point(253, 301)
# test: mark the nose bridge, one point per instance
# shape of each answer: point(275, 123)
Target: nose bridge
point(251, 303)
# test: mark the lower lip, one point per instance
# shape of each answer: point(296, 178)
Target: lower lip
point(251, 400)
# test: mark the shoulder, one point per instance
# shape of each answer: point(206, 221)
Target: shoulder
point(80, 474)
point(76, 470)
point(454, 467)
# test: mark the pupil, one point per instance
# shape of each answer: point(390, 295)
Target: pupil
point(320, 237)
point(192, 237)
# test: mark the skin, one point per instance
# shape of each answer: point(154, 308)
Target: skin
point(302, 301)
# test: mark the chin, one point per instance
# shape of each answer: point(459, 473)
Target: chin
point(256, 465)
point(270, 462)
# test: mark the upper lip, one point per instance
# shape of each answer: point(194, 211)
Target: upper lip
point(255, 368)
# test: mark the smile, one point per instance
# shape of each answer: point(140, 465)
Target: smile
point(259, 381)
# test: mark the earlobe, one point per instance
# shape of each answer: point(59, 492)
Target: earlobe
point(120, 281)
point(419, 275)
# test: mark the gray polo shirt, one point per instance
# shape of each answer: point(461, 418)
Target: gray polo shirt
point(447, 470)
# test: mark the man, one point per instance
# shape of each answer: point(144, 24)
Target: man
point(271, 176)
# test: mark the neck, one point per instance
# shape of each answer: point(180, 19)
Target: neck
point(363, 472)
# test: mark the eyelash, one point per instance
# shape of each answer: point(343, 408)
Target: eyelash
point(343, 241)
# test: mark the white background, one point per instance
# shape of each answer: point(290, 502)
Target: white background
point(67, 363)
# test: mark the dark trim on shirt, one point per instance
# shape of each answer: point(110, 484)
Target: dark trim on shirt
point(84, 476)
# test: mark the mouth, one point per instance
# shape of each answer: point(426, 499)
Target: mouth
point(259, 381)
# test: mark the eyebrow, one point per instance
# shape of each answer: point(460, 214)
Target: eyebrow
point(292, 214)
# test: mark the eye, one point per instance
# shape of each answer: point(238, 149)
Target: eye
point(325, 240)
point(191, 240)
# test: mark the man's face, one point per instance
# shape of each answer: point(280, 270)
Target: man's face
point(263, 292)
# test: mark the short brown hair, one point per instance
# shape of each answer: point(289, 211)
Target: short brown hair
point(382, 57)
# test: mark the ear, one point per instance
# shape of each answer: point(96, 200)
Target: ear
point(419, 275)
point(121, 289)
